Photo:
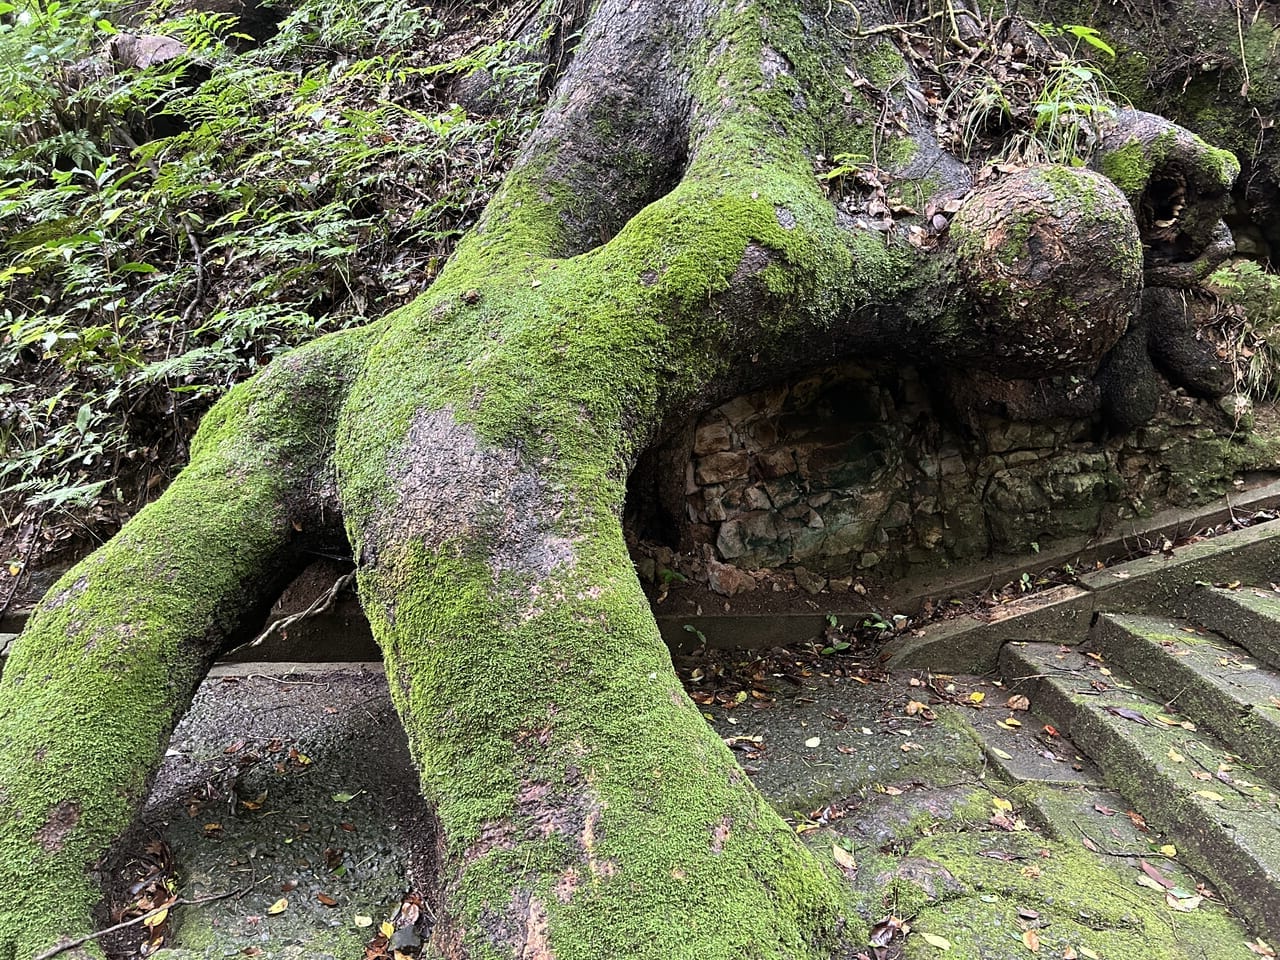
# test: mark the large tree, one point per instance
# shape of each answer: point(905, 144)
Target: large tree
point(670, 236)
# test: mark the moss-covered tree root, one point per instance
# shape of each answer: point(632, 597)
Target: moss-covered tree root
point(115, 651)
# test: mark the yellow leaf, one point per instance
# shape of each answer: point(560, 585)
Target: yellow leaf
point(1031, 940)
point(1150, 884)
point(1175, 756)
point(280, 906)
point(1001, 804)
point(1086, 952)
point(156, 918)
point(1001, 754)
point(977, 697)
point(843, 857)
point(1210, 795)
point(387, 930)
point(933, 940)
point(1012, 722)
point(1169, 850)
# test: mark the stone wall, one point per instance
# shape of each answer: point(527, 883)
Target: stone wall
point(859, 469)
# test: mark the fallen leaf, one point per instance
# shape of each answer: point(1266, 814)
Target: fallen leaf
point(156, 919)
point(1145, 881)
point(884, 931)
point(1183, 904)
point(280, 906)
point(1127, 714)
point(813, 742)
point(346, 797)
point(977, 696)
point(360, 920)
point(1001, 804)
point(1169, 850)
point(327, 900)
point(1210, 795)
point(1261, 948)
point(843, 857)
point(1155, 874)
point(933, 940)
point(1089, 844)
point(1031, 940)
point(1001, 754)
point(1018, 702)
point(1069, 953)
point(386, 929)
point(1176, 757)
point(1086, 952)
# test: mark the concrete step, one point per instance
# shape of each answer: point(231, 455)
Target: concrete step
point(1249, 616)
point(1224, 821)
point(1200, 675)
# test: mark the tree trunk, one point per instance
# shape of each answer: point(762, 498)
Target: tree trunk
point(664, 242)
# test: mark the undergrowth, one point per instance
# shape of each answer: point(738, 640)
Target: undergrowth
point(175, 214)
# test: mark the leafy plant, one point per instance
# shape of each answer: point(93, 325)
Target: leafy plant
point(1249, 323)
point(1031, 102)
point(167, 230)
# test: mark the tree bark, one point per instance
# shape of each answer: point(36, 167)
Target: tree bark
point(663, 243)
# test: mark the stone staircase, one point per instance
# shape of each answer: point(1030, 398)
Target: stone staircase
point(1181, 716)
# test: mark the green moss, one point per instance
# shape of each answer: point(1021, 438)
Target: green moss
point(1129, 167)
point(882, 64)
point(1080, 901)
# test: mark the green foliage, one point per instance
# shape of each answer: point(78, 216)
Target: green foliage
point(1251, 323)
point(162, 238)
point(1034, 103)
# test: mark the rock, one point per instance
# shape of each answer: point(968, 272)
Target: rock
point(722, 467)
point(728, 581)
point(1239, 408)
point(809, 582)
point(755, 538)
point(140, 51)
point(715, 509)
point(712, 437)
point(776, 463)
